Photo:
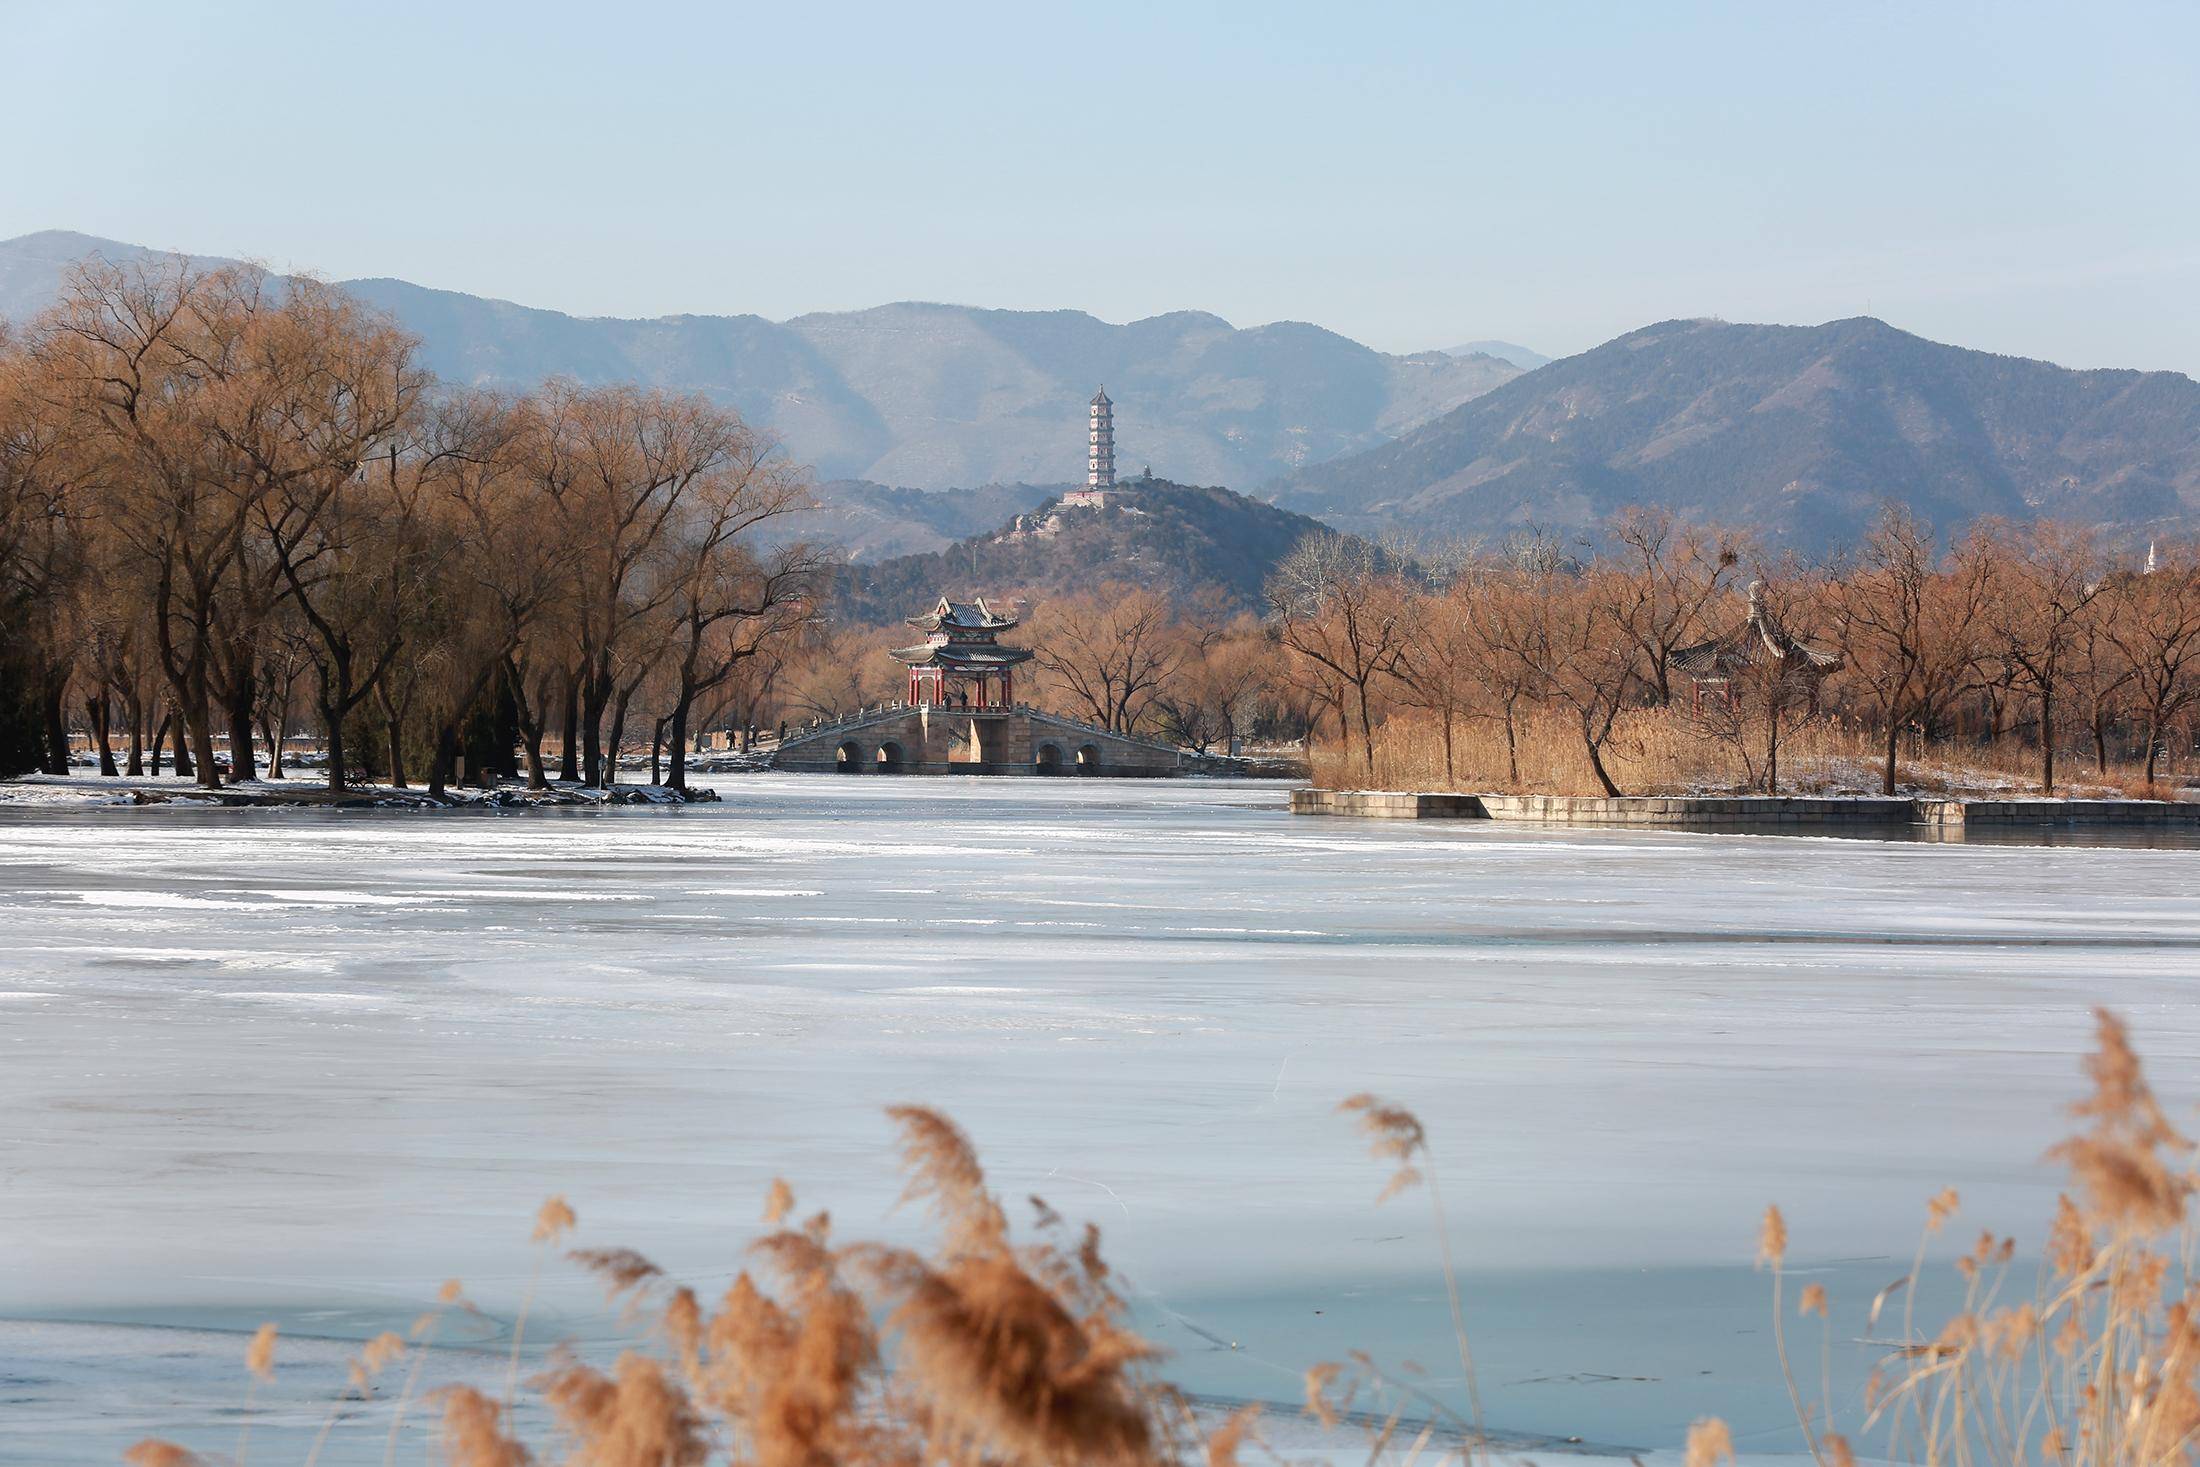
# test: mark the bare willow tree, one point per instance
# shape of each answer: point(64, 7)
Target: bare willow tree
point(1109, 653)
point(1333, 606)
point(1438, 666)
point(2043, 580)
point(836, 669)
point(127, 356)
point(729, 602)
point(2155, 635)
point(620, 463)
point(1912, 629)
point(1670, 574)
point(1212, 698)
point(316, 388)
point(492, 613)
point(1497, 600)
point(738, 704)
point(43, 555)
point(1571, 635)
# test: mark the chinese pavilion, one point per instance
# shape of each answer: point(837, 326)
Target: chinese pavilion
point(1759, 648)
point(961, 663)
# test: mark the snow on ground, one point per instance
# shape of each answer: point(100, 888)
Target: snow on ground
point(303, 1064)
point(1847, 774)
point(88, 789)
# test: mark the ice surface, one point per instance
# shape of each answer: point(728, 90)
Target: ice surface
point(305, 1064)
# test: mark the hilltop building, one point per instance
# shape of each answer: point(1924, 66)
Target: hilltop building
point(1099, 457)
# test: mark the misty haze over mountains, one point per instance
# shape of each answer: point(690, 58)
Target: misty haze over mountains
point(930, 396)
point(1799, 432)
point(1527, 359)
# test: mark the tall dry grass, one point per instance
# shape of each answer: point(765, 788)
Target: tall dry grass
point(2094, 1363)
point(1011, 1349)
point(993, 1347)
point(1663, 751)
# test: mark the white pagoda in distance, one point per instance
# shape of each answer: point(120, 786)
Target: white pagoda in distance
point(1099, 456)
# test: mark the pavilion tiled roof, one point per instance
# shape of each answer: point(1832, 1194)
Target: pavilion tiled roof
point(1759, 641)
point(951, 654)
point(962, 616)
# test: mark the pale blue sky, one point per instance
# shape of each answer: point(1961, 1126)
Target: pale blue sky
point(2017, 177)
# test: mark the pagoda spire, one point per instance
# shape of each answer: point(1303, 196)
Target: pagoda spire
point(1100, 453)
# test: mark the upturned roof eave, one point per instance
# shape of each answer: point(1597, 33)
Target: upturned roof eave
point(949, 656)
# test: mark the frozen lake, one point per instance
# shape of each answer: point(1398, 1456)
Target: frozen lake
point(303, 1066)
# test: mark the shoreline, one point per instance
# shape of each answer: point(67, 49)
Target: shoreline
point(1743, 813)
point(94, 791)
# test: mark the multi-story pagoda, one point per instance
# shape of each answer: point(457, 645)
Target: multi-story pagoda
point(1100, 450)
point(961, 663)
point(1099, 459)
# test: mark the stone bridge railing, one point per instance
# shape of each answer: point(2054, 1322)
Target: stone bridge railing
point(846, 722)
point(1091, 727)
point(873, 713)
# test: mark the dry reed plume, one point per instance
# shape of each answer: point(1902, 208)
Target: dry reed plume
point(2099, 1367)
point(990, 1350)
point(985, 1349)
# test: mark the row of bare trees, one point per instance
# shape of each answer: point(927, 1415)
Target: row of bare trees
point(230, 505)
point(2029, 634)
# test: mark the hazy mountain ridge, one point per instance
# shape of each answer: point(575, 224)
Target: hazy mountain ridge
point(877, 521)
point(1178, 539)
point(1800, 431)
point(926, 395)
point(1526, 358)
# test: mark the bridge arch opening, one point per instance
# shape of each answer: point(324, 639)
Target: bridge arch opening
point(1048, 759)
point(848, 759)
point(891, 758)
point(1088, 759)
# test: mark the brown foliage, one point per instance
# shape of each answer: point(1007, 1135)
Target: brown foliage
point(1957, 669)
point(473, 1434)
point(2102, 1367)
point(235, 482)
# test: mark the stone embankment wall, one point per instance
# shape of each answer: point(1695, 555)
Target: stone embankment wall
point(1748, 812)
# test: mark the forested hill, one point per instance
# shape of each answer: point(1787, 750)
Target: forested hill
point(1798, 432)
point(1173, 538)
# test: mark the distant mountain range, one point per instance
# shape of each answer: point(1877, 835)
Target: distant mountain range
point(1801, 432)
point(1525, 358)
point(1174, 538)
point(931, 396)
point(875, 522)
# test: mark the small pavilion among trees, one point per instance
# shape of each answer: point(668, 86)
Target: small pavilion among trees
point(1752, 681)
point(1758, 654)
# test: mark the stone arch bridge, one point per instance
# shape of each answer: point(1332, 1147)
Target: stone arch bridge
point(898, 738)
